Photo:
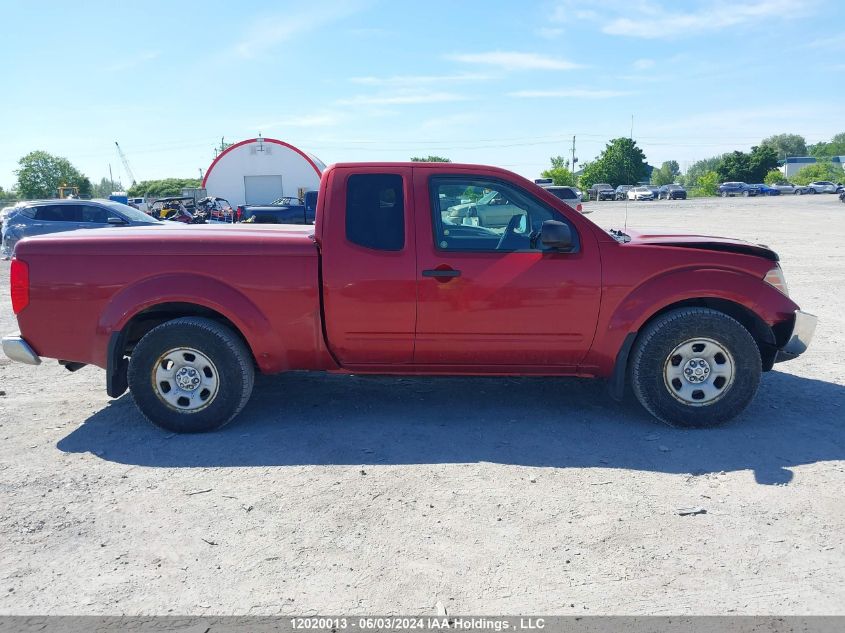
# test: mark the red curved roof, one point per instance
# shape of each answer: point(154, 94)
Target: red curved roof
point(255, 140)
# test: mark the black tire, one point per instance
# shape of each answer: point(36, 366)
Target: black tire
point(724, 194)
point(798, 192)
point(651, 356)
point(229, 357)
point(745, 194)
point(811, 191)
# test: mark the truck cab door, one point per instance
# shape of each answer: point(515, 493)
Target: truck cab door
point(494, 298)
point(366, 235)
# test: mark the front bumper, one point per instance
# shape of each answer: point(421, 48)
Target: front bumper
point(799, 340)
point(17, 349)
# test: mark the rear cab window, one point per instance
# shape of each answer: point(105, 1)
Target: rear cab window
point(375, 211)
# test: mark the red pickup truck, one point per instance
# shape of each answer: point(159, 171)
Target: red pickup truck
point(410, 269)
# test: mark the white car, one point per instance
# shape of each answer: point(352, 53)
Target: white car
point(640, 193)
point(821, 186)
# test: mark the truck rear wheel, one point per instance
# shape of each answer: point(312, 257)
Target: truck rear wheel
point(190, 375)
point(695, 367)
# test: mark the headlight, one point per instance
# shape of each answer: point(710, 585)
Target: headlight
point(775, 278)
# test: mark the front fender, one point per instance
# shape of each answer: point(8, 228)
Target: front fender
point(199, 290)
point(634, 309)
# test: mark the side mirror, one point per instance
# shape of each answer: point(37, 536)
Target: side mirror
point(555, 234)
point(116, 221)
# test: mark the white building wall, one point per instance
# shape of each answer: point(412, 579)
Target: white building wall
point(225, 176)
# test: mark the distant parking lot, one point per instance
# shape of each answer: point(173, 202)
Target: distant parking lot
point(355, 495)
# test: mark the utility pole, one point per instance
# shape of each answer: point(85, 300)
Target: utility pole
point(632, 127)
point(574, 160)
point(200, 173)
point(111, 178)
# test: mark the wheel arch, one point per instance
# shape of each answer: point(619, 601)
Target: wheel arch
point(760, 331)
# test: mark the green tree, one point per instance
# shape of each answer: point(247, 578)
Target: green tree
point(708, 183)
point(666, 174)
point(836, 147)
point(734, 166)
point(162, 188)
point(621, 163)
point(8, 195)
point(786, 145)
point(774, 177)
point(559, 172)
point(763, 160)
point(41, 174)
point(698, 169)
point(105, 188)
point(819, 171)
point(431, 159)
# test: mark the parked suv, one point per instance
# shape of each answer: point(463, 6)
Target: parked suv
point(570, 195)
point(54, 216)
point(601, 191)
point(736, 189)
point(671, 192)
point(622, 192)
point(821, 186)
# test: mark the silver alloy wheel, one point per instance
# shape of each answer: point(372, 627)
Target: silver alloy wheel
point(699, 371)
point(185, 379)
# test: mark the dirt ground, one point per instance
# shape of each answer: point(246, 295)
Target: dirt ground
point(382, 495)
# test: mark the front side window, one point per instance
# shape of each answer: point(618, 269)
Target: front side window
point(375, 211)
point(486, 215)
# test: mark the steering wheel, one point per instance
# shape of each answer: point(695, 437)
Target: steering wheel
point(510, 240)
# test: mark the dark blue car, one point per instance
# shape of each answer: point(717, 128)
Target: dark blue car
point(286, 210)
point(736, 189)
point(765, 190)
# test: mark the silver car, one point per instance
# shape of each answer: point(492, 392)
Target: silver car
point(54, 216)
point(821, 186)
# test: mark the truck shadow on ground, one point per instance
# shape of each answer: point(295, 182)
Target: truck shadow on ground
point(317, 419)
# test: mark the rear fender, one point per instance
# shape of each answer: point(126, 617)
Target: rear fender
point(266, 346)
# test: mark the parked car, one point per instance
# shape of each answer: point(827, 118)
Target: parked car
point(736, 189)
point(621, 192)
point(601, 191)
point(785, 187)
point(383, 284)
point(766, 190)
point(640, 193)
point(570, 195)
point(842, 196)
point(286, 210)
point(40, 217)
point(654, 190)
point(801, 190)
point(821, 186)
point(671, 192)
point(5, 212)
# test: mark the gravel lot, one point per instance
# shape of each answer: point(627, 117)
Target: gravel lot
point(383, 495)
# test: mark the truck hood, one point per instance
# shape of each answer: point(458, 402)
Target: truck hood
point(704, 242)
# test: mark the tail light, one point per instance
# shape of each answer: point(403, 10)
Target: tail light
point(579, 208)
point(19, 281)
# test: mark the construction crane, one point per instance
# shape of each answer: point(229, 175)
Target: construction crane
point(125, 164)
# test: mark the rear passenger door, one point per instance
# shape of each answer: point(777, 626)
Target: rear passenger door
point(369, 266)
point(54, 218)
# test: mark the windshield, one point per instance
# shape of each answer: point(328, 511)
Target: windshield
point(129, 213)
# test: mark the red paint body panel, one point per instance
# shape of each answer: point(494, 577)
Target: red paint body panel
point(306, 298)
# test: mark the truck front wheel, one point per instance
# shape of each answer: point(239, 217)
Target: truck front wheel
point(695, 367)
point(190, 375)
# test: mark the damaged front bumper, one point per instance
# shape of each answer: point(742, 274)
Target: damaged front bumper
point(799, 339)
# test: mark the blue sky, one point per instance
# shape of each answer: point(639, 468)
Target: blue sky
point(487, 81)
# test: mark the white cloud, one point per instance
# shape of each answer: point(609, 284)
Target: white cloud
point(402, 98)
point(654, 19)
point(270, 31)
point(573, 93)
point(510, 60)
point(643, 64)
point(711, 16)
point(413, 80)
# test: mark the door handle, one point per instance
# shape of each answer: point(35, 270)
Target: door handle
point(441, 273)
